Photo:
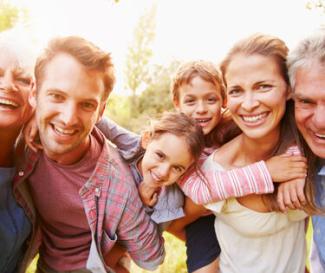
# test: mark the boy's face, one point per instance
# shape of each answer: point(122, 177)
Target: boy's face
point(202, 101)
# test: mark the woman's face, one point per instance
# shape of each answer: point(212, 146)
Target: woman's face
point(15, 86)
point(256, 94)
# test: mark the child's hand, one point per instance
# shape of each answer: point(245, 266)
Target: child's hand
point(291, 194)
point(287, 167)
point(30, 133)
point(148, 194)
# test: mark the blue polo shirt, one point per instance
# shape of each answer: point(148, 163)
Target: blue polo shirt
point(319, 221)
point(14, 225)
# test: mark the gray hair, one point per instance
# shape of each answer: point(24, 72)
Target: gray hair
point(309, 51)
point(20, 45)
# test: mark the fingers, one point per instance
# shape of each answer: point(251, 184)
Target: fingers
point(287, 197)
point(280, 200)
point(153, 200)
point(291, 195)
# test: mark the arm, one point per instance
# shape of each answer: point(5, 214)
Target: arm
point(128, 143)
point(139, 235)
point(214, 185)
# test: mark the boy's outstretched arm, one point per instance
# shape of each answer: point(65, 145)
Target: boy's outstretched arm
point(127, 142)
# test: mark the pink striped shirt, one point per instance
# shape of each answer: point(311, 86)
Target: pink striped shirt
point(215, 185)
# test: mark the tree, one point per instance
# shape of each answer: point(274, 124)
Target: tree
point(316, 4)
point(139, 54)
point(9, 15)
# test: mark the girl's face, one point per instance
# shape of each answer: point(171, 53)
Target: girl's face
point(15, 86)
point(166, 158)
point(202, 101)
point(256, 94)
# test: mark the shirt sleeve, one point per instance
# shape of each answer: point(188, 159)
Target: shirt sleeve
point(140, 235)
point(212, 184)
point(127, 142)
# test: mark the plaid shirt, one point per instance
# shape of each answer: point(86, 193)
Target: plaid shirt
point(113, 208)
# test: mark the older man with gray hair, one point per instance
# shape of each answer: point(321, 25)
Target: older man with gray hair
point(306, 65)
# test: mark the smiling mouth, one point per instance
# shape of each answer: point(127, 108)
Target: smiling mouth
point(320, 136)
point(8, 104)
point(203, 121)
point(64, 132)
point(254, 119)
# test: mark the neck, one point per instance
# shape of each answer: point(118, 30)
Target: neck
point(7, 147)
point(70, 157)
point(258, 149)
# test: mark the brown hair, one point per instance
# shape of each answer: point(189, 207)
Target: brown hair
point(183, 126)
point(189, 70)
point(259, 44)
point(88, 54)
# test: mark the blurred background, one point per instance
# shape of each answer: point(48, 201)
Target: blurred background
point(148, 39)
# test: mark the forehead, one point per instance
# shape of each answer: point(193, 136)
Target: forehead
point(198, 86)
point(254, 67)
point(310, 82)
point(174, 147)
point(13, 60)
point(64, 72)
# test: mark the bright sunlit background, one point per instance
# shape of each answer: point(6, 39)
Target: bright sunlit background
point(185, 29)
point(148, 39)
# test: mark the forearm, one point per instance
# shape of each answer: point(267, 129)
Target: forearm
point(127, 142)
point(216, 185)
point(141, 236)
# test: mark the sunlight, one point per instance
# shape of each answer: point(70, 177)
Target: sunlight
point(185, 29)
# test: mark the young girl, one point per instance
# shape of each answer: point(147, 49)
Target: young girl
point(257, 92)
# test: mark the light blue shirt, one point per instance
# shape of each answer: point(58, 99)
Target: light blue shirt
point(319, 221)
point(14, 225)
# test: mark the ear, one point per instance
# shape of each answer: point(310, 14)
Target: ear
point(145, 139)
point(101, 111)
point(224, 102)
point(176, 105)
point(289, 93)
point(32, 98)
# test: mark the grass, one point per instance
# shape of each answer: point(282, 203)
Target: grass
point(175, 256)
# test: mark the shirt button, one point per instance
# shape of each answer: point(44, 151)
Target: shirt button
point(21, 173)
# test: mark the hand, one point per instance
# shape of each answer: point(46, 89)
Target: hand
point(30, 133)
point(291, 195)
point(148, 194)
point(287, 167)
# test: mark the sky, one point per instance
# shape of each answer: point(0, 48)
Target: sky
point(185, 29)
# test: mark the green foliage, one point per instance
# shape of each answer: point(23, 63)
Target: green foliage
point(140, 51)
point(10, 15)
point(154, 100)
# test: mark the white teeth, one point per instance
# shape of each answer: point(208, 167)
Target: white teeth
point(320, 135)
point(8, 102)
point(64, 131)
point(203, 120)
point(254, 118)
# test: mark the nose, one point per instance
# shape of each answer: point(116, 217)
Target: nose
point(163, 171)
point(69, 114)
point(249, 101)
point(319, 117)
point(201, 107)
point(7, 82)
